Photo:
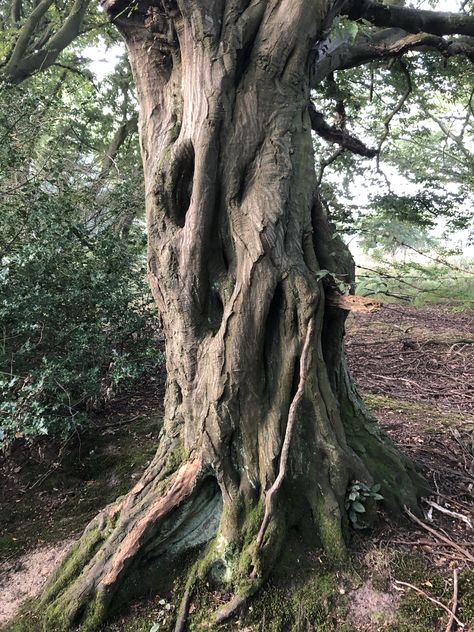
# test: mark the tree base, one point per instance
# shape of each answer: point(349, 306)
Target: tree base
point(132, 543)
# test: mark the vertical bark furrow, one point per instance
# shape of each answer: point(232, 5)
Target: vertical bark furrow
point(181, 177)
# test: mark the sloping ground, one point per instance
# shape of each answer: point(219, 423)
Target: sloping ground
point(417, 354)
point(416, 370)
point(50, 492)
point(48, 495)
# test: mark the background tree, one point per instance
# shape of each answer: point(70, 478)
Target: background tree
point(34, 34)
point(263, 430)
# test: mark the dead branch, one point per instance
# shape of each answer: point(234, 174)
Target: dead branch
point(353, 303)
point(454, 606)
point(439, 535)
point(432, 599)
point(448, 512)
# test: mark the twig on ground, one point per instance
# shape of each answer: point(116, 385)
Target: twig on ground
point(454, 606)
point(448, 512)
point(438, 499)
point(440, 536)
point(432, 599)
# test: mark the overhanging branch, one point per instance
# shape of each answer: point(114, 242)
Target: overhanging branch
point(342, 54)
point(411, 20)
point(338, 136)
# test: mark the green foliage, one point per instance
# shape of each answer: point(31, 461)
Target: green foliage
point(438, 282)
point(423, 174)
point(357, 496)
point(76, 316)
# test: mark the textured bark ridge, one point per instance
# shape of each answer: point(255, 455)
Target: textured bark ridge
point(263, 429)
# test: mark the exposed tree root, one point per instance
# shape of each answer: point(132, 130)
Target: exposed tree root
point(257, 395)
point(125, 540)
point(183, 611)
point(231, 608)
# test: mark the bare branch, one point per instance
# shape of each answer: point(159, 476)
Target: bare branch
point(343, 53)
point(327, 162)
point(411, 20)
point(16, 11)
point(22, 65)
point(125, 129)
point(339, 136)
point(398, 106)
point(25, 36)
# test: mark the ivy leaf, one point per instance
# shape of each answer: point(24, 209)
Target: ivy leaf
point(359, 507)
point(321, 274)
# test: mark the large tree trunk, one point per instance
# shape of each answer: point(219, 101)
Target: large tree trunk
point(263, 429)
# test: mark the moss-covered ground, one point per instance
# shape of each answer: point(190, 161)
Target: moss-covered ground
point(304, 593)
point(47, 498)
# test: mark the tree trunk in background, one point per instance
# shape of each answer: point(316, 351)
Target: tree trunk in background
point(263, 429)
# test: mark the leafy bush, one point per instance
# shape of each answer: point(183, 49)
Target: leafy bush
point(76, 316)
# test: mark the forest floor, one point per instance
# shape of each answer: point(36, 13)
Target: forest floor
point(415, 368)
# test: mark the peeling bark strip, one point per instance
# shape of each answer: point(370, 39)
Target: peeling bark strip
point(351, 303)
point(181, 488)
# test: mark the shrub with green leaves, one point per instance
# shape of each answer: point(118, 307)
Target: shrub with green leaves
point(76, 324)
point(76, 317)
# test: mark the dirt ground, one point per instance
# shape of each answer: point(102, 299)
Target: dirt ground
point(415, 370)
point(23, 577)
point(415, 354)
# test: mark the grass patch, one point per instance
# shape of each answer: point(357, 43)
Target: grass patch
point(426, 414)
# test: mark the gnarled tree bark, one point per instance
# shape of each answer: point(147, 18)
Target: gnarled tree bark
point(263, 428)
